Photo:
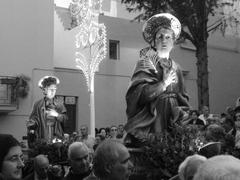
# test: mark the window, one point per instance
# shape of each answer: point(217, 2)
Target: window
point(114, 49)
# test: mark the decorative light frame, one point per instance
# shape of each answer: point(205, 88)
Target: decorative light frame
point(91, 38)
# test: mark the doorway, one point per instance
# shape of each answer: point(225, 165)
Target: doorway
point(70, 102)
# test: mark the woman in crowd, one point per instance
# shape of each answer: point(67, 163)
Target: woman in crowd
point(103, 133)
point(113, 132)
point(11, 158)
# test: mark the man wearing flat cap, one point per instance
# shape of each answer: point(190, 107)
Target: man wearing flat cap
point(156, 95)
point(48, 114)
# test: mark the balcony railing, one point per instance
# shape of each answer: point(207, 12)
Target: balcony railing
point(8, 94)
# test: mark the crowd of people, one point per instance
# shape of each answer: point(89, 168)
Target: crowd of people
point(101, 134)
point(110, 160)
point(105, 156)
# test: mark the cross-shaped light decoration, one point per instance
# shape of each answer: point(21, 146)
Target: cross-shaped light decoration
point(90, 44)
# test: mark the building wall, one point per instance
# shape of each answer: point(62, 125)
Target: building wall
point(25, 43)
point(224, 65)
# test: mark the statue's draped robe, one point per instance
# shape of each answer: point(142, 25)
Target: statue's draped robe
point(150, 109)
point(39, 117)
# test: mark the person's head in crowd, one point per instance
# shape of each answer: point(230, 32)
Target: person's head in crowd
point(112, 161)
point(237, 113)
point(113, 132)
point(98, 140)
point(189, 166)
point(96, 131)
point(120, 131)
point(194, 114)
point(223, 115)
point(74, 134)
point(205, 111)
point(11, 157)
point(107, 129)
point(214, 133)
point(221, 167)
point(237, 125)
point(48, 84)
point(237, 116)
point(102, 132)
point(121, 128)
point(228, 124)
point(66, 137)
point(238, 102)
point(84, 130)
point(79, 158)
point(41, 165)
point(230, 112)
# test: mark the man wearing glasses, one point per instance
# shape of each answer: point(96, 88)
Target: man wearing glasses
point(113, 132)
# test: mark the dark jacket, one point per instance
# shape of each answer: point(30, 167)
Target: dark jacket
point(72, 176)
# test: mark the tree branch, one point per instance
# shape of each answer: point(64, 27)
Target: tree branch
point(215, 27)
point(188, 36)
point(216, 22)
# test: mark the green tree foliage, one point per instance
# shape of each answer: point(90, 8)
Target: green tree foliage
point(194, 16)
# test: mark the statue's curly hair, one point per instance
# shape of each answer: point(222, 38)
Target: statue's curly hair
point(48, 81)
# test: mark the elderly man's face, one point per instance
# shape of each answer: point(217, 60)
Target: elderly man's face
point(41, 166)
point(80, 160)
point(13, 163)
point(164, 40)
point(123, 167)
point(84, 130)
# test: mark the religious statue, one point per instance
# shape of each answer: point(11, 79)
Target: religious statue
point(156, 96)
